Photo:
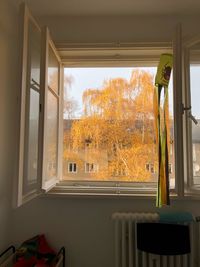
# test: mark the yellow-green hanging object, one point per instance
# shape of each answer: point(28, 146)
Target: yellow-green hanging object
point(161, 112)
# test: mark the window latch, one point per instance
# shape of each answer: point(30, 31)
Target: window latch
point(190, 114)
point(193, 118)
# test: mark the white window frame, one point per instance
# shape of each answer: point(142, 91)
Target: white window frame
point(190, 188)
point(73, 164)
point(111, 55)
point(91, 55)
point(47, 42)
point(21, 197)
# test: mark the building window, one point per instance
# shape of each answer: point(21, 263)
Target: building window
point(150, 167)
point(72, 167)
point(91, 167)
point(170, 168)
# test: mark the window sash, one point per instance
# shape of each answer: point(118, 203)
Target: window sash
point(24, 190)
point(190, 188)
point(47, 184)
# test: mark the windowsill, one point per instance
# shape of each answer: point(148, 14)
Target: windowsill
point(60, 193)
point(64, 189)
point(77, 190)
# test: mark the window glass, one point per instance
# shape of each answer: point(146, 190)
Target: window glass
point(72, 167)
point(170, 168)
point(109, 122)
point(51, 138)
point(195, 94)
point(53, 71)
point(32, 109)
point(35, 53)
point(32, 159)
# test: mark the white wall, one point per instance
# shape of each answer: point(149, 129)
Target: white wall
point(83, 225)
point(8, 93)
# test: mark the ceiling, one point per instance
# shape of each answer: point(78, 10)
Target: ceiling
point(111, 7)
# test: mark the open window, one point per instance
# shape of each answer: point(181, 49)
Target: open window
point(108, 120)
point(52, 103)
point(106, 147)
point(192, 114)
point(39, 144)
point(29, 156)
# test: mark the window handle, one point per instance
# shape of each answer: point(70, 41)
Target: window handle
point(193, 118)
point(189, 113)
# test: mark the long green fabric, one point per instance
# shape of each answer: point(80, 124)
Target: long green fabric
point(161, 112)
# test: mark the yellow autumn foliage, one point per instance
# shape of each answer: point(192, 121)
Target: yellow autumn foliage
point(118, 118)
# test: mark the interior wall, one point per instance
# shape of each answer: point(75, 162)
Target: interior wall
point(8, 100)
point(83, 225)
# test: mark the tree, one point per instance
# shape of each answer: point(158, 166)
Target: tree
point(118, 119)
point(70, 105)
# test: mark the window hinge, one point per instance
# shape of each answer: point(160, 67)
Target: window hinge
point(40, 107)
point(185, 108)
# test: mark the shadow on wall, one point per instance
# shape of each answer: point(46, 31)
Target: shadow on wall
point(8, 110)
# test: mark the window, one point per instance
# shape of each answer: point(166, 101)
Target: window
point(87, 124)
point(170, 168)
point(91, 167)
point(108, 120)
point(39, 145)
point(192, 114)
point(72, 168)
point(150, 167)
point(119, 170)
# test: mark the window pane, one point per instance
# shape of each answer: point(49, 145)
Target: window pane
point(51, 138)
point(32, 110)
point(74, 169)
point(87, 167)
point(34, 46)
point(32, 153)
point(70, 167)
point(109, 124)
point(53, 71)
point(195, 95)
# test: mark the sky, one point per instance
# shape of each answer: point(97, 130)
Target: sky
point(195, 92)
point(86, 78)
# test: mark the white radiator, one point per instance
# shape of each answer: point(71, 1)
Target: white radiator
point(127, 254)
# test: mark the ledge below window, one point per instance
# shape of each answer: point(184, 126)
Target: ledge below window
point(114, 190)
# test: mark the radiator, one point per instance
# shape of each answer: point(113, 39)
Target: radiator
point(127, 254)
